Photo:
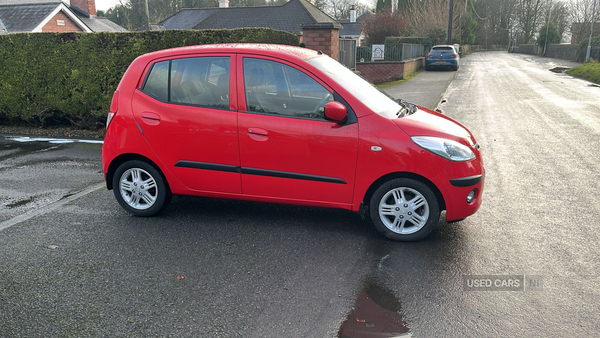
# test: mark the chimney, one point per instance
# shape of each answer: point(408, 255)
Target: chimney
point(352, 13)
point(88, 6)
point(223, 3)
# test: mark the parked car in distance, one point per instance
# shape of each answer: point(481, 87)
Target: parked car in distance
point(442, 56)
point(282, 124)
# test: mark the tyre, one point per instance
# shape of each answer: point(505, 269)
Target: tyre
point(404, 209)
point(140, 189)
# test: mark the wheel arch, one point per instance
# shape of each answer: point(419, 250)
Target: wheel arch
point(117, 161)
point(416, 177)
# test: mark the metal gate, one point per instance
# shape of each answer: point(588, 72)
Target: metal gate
point(347, 53)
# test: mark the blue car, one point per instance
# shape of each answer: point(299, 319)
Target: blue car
point(442, 56)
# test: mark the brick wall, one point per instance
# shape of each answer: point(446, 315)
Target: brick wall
point(69, 26)
point(323, 37)
point(382, 71)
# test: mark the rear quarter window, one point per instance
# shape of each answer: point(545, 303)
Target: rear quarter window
point(157, 82)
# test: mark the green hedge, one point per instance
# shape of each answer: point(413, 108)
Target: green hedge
point(69, 78)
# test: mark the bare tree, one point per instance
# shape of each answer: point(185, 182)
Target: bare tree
point(580, 16)
point(430, 15)
point(340, 9)
point(531, 17)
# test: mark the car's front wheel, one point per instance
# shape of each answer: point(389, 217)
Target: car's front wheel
point(140, 188)
point(404, 209)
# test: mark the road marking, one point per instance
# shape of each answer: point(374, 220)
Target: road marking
point(31, 214)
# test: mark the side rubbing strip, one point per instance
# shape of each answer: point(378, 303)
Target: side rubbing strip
point(283, 174)
point(466, 181)
point(258, 172)
point(208, 166)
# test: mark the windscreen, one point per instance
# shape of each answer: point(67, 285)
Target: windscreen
point(360, 88)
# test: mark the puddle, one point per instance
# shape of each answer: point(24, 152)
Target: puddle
point(559, 69)
point(25, 139)
point(20, 203)
point(376, 313)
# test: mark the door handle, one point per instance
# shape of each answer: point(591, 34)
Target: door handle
point(150, 118)
point(258, 131)
point(258, 134)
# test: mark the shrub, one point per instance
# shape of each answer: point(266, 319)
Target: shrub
point(50, 78)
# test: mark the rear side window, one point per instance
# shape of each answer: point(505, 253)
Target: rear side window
point(158, 80)
point(200, 81)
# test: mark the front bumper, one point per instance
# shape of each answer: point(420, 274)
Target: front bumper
point(455, 182)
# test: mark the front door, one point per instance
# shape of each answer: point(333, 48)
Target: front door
point(287, 148)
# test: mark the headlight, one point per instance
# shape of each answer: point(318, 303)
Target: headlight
point(448, 149)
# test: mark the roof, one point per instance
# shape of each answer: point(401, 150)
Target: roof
point(28, 2)
point(24, 17)
point(283, 51)
point(19, 16)
point(351, 29)
point(289, 17)
point(354, 28)
point(100, 24)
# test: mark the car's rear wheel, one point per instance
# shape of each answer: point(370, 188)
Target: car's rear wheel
point(140, 188)
point(404, 209)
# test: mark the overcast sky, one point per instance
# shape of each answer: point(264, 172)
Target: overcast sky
point(103, 5)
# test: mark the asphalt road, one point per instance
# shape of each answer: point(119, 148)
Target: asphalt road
point(216, 268)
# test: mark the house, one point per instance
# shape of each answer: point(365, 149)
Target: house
point(34, 16)
point(289, 17)
point(352, 28)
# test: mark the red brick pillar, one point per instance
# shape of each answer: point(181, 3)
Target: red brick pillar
point(322, 36)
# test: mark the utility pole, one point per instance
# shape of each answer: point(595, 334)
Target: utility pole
point(147, 17)
point(450, 22)
point(589, 49)
point(548, 26)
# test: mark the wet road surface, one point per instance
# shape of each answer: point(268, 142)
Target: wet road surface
point(216, 268)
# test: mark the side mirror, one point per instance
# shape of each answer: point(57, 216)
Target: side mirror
point(335, 111)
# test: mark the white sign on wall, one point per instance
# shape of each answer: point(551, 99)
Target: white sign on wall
point(377, 52)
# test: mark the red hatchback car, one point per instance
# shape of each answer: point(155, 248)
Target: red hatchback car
point(283, 124)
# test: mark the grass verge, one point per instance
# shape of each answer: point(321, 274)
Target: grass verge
point(387, 84)
point(588, 71)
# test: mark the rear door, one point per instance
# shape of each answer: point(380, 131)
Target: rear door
point(287, 148)
point(187, 115)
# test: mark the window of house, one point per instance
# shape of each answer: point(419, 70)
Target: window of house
point(275, 88)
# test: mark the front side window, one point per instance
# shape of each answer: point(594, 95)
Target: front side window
point(200, 81)
point(275, 88)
